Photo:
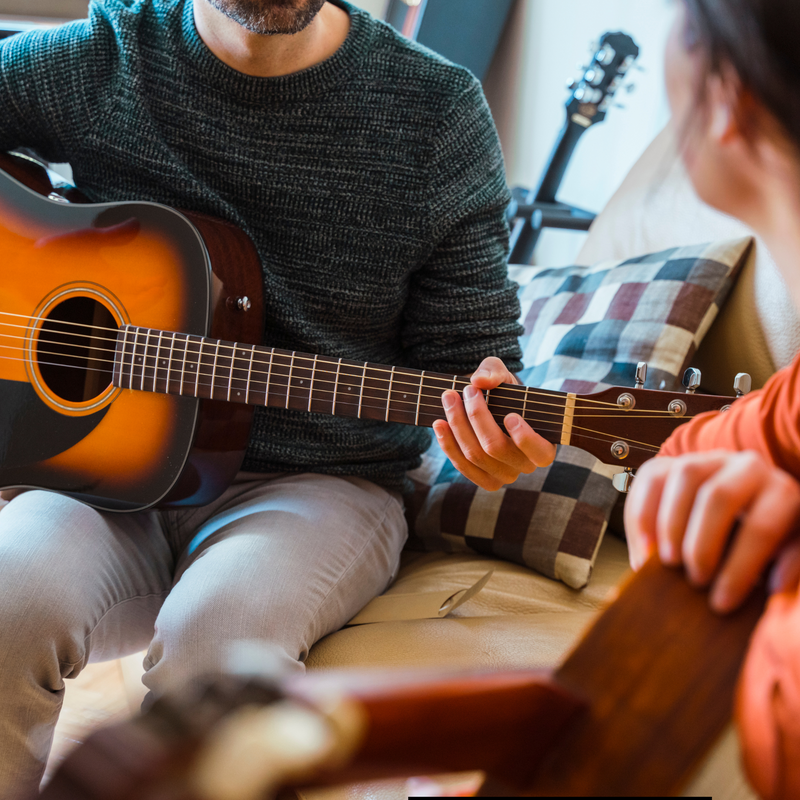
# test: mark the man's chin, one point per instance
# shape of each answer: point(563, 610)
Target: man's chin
point(270, 17)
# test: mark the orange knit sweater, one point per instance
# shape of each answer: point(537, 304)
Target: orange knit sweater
point(769, 694)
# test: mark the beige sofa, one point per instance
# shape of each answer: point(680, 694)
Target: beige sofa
point(522, 619)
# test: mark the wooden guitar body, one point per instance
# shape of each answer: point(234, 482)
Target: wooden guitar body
point(65, 427)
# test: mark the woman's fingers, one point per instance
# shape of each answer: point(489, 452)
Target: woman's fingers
point(684, 478)
point(641, 510)
point(771, 518)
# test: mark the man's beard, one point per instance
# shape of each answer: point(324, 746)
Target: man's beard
point(270, 17)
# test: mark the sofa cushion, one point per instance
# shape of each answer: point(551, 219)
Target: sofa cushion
point(585, 329)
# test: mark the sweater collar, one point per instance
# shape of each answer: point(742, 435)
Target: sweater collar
point(308, 82)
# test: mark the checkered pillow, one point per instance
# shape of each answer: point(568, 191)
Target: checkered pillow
point(586, 328)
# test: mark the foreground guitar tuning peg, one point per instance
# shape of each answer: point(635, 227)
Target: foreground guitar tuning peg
point(742, 384)
point(641, 374)
point(622, 481)
point(691, 379)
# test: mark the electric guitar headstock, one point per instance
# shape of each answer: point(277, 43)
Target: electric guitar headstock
point(593, 92)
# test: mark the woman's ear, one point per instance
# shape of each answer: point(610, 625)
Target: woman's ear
point(724, 98)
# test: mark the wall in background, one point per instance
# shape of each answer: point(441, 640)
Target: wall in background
point(58, 9)
point(543, 42)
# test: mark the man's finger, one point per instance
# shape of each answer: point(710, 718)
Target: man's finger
point(536, 448)
point(451, 449)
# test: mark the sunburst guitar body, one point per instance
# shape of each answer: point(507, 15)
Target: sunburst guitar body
point(71, 276)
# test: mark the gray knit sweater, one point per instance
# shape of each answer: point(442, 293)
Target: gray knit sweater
point(372, 186)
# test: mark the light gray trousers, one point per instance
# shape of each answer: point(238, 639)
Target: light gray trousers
point(286, 559)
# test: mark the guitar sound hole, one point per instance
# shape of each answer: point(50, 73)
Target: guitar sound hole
point(75, 349)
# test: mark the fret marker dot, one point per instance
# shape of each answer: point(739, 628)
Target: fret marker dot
point(404, 396)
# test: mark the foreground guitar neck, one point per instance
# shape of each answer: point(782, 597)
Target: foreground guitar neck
point(174, 363)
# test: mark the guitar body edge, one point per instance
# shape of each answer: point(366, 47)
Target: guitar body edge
point(223, 429)
point(127, 448)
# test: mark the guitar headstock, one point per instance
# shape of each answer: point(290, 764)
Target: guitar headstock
point(627, 426)
point(594, 91)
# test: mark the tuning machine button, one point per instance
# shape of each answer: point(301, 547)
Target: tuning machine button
point(622, 480)
point(605, 55)
point(691, 380)
point(641, 375)
point(742, 384)
point(595, 75)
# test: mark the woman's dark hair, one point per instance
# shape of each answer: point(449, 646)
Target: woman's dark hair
point(760, 40)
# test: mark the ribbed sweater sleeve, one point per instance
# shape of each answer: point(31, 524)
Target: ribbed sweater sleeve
point(46, 81)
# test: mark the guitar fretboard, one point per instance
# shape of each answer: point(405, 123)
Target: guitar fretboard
point(176, 363)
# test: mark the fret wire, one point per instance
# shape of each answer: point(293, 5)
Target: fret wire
point(389, 395)
point(214, 369)
point(197, 371)
point(183, 362)
point(158, 353)
point(311, 387)
point(419, 396)
point(230, 376)
point(171, 356)
point(289, 381)
point(133, 357)
point(249, 374)
point(361, 392)
point(144, 357)
point(269, 375)
point(336, 386)
point(124, 353)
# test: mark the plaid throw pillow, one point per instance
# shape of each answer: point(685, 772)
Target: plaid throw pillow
point(586, 328)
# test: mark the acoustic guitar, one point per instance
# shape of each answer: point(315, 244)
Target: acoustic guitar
point(131, 360)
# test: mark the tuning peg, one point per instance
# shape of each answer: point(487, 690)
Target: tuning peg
point(641, 374)
point(691, 380)
point(572, 84)
point(622, 481)
point(742, 384)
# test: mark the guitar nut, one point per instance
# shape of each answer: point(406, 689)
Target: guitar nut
point(677, 408)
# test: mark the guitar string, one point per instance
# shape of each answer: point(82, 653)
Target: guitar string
point(418, 386)
point(262, 386)
point(519, 390)
point(232, 346)
point(437, 410)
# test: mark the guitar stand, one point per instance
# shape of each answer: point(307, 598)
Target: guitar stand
point(529, 217)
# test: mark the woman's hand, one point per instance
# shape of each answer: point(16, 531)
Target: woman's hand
point(477, 445)
point(686, 508)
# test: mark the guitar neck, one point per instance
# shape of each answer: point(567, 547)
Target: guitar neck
point(175, 363)
point(559, 160)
